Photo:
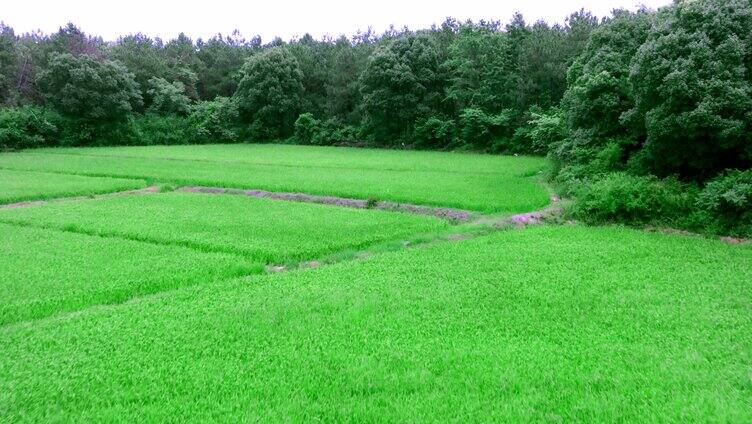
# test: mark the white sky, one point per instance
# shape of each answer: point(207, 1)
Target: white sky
point(284, 18)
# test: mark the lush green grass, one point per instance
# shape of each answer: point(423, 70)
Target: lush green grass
point(16, 186)
point(477, 182)
point(264, 230)
point(563, 324)
point(45, 272)
point(327, 157)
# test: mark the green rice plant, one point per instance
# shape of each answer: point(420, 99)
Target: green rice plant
point(474, 182)
point(45, 272)
point(324, 156)
point(568, 324)
point(17, 186)
point(264, 230)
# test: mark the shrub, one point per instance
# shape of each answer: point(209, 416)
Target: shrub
point(79, 132)
point(155, 129)
point(435, 133)
point(168, 97)
point(309, 130)
point(333, 132)
point(545, 129)
point(621, 197)
point(306, 128)
point(481, 130)
point(725, 204)
point(216, 120)
point(29, 126)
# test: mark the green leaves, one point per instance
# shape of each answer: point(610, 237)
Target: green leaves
point(83, 87)
point(269, 93)
point(694, 90)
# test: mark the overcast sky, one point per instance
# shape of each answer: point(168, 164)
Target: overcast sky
point(284, 18)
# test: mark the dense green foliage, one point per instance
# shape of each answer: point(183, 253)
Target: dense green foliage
point(725, 204)
point(262, 230)
point(666, 94)
point(378, 89)
point(568, 324)
point(19, 186)
point(270, 92)
point(81, 87)
point(467, 181)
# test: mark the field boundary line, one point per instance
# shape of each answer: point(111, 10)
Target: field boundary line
point(481, 226)
point(452, 214)
point(197, 247)
point(29, 203)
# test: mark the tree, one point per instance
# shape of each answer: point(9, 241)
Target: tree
point(343, 95)
point(168, 98)
point(269, 93)
point(8, 63)
point(71, 39)
point(599, 91)
point(144, 59)
point(693, 89)
point(221, 59)
point(401, 83)
point(82, 87)
point(313, 58)
point(183, 63)
point(478, 70)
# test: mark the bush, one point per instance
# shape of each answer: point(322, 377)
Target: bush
point(332, 132)
point(155, 129)
point(78, 132)
point(168, 97)
point(215, 121)
point(435, 133)
point(481, 130)
point(545, 129)
point(309, 130)
point(306, 128)
point(725, 204)
point(635, 200)
point(28, 127)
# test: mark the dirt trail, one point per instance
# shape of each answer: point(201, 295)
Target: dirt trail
point(452, 214)
point(28, 203)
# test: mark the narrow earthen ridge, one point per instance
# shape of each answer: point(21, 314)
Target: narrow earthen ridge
point(28, 203)
point(452, 214)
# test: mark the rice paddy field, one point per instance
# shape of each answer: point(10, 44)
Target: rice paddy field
point(167, 305)
point(495, 184)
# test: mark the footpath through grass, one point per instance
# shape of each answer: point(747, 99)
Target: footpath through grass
point(262, 230)
point(484, 183)
point(567, 324)
point(17, 186)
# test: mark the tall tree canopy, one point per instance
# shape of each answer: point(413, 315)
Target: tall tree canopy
point(269, 93)
point(83, 87)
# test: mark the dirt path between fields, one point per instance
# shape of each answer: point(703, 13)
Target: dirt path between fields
point(457, 215)
point(28, 203)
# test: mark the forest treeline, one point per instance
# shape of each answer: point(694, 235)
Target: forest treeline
point(646, 115)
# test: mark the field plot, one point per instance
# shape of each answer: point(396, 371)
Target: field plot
point(325, 157)
point(263, 230)
point(566, 324)
point(16, 186)
point(45, 272)
point(416, 177)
